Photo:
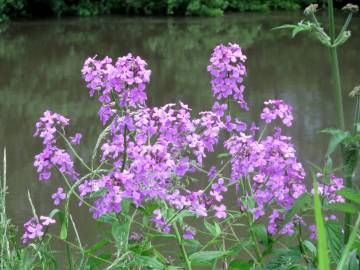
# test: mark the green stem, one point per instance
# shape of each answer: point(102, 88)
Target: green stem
point(335, 72)
point(68, 255)
point(182, 247)
point(253, 236)
point(125, 149)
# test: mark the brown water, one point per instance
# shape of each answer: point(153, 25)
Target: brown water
point(40, 69)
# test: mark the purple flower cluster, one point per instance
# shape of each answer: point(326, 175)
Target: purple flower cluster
point(328, 190)
point(227, 70)
point(122, 84)
point(150, 151)
point(164, 145)
point(270, 172)
point(276, 108)
point(52, 156)
point(35, 229)
point(160, 222)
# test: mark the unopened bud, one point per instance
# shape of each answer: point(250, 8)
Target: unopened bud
point(311, 9)
point(355, 92)
point(351, 8)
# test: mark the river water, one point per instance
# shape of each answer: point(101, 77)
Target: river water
point(40, 63)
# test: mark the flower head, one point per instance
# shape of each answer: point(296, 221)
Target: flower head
point(58, 196)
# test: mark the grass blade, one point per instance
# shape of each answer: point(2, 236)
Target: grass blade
point(323, 251)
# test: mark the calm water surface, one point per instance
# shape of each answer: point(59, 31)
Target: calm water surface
point(40, 64)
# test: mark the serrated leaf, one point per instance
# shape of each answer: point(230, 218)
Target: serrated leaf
point(353, 261)
point(335, 239)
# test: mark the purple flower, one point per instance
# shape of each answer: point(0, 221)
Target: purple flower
point(312, 229)
point(58, 196)
point(189, 233)
point(328, 190)
point(52, 156)
point(76, 139)
point(276, 108)
point(219, 109)
point(46, 221)
point(220, 211)
point(160, 222)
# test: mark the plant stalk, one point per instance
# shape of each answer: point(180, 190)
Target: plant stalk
point(182, 247)
point(335, 73)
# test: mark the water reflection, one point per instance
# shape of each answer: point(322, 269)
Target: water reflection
point(41, 61)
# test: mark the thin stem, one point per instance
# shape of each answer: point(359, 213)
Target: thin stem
point(68, 255)
point(301, 245)
point(335, 72)
point(253, 236)
point(345, 26)
point(125, 149)
point(74, 152)
point(182, 247)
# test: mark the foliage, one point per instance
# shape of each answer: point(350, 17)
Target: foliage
point(14, 8)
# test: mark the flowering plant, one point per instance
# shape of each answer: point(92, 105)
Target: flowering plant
point(148, 178)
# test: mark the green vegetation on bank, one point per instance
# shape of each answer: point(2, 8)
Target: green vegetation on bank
point(39, 8)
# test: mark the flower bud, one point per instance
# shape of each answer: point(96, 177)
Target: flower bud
point(351, 8)
point(355, 92)
point(311, 9)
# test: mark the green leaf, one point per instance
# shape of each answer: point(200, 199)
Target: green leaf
point(310, 246)
point(350, 194)
point(353, 260)
point(344, 261)
point(95, 262)
point(223, 155)
point(212, 228)
point(261, 233)
point(342, 207)
point(205, 257)
point(151, 262)
point(337, 136)
point(323, 256)
point(235, 249)
point(62, 221)
point(107, 218)
point(119, 232)
point(192, 245)
point(335, 239)
point(351, 156)
point(94, 248)
point(238, 264)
